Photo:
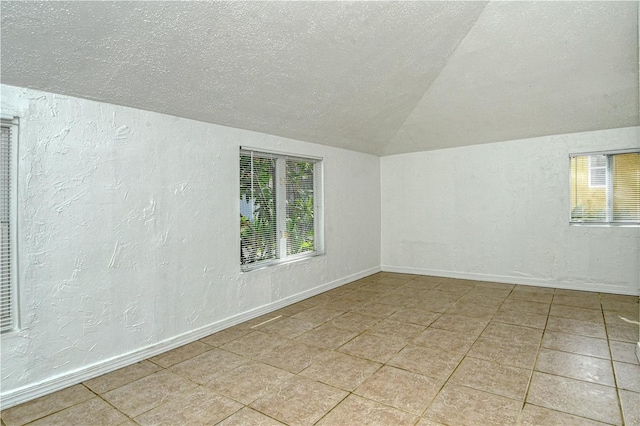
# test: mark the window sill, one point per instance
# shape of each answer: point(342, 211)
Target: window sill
point(279, 262)
point(606, 224)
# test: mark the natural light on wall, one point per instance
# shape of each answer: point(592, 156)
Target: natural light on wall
point(605, 188)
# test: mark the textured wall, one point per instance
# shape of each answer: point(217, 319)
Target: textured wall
point(129, 234)
point(500, 212)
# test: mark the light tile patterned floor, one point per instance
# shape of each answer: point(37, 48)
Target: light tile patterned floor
point(390, 349)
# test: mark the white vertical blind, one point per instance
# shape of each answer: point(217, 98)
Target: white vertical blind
point(6, 290)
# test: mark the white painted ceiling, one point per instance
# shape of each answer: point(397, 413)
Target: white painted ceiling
point(377, 77)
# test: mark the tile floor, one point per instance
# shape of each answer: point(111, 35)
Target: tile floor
point(390, 349)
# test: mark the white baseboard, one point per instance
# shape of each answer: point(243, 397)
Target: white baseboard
point(27, 393)
point(539, 282)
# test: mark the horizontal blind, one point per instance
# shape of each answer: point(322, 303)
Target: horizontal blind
point(257, 207)
point(588, 202)
point(626, 187)
point(300, 206)
point(6, 296)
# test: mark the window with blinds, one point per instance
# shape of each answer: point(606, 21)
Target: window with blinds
point(605, 188)
point(7, 289)
point(279, 208)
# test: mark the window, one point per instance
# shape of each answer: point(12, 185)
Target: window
point(605, 188)
point(8, 303)
point(280, 208)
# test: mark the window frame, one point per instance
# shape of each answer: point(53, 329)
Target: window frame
point(14, 123)
point(609, 218)
point(280, 207)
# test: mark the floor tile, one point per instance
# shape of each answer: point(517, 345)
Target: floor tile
point(374, 347)
point(256, 324)
point(291, 310)
point(624, 352)
point(378, 310)
point(93, 412)
point(403, 330)
point(618, 298)
point(293, 356)
point(630, 402)
point(341, 370)
point(532, 415)
point(627, 376)
point(623, 333)
point(377, 287)
point(431, 362)
point(503, 352)
point(588, 301)
point(575, 366)
point(626, 308)
point(415, 316)
point(576, 344)
point(247, 416)
point(347, 302)
point(327, 336)
point(354, 322)
point(43, 406)
point(289, 327)
point(582, 314)
point(615, 318)
point(482, 298)
point(520, 318)
point(473, 310)
point(577, 397)
point(457, 352)
point(400, 389)
point(204, 367)
point(248, 382)
point(448, 341)
point(533, 289)
point(225, 336)
point(515, 334)
point(492, 377)
point(525, 306)
point(459, 323)
point(198, 406)
point(433, 302)
point(121, 377)
point(573, 326)
point(149, 392)
point(254, 344)
point(394, 281)
point(299, 401)
point(457, 288)
point(459, 405)
point(400, 301)
point(180, 354)
point(531, 296)
point(318, 315)
point(574, 293)
point(355, 410)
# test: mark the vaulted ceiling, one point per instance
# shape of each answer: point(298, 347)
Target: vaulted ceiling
point(377, 77)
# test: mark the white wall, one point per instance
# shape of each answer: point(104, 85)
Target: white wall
point(500, 212)
point(129, 238)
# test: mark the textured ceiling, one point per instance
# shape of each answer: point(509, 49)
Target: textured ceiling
point(377, 77)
